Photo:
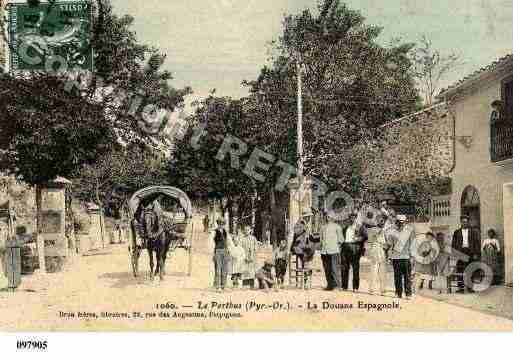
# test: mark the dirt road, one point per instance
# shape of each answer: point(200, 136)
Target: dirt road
point(99, 293)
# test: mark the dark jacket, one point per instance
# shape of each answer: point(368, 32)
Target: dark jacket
point(474, 242)
point(362, 233)
point(220, 238)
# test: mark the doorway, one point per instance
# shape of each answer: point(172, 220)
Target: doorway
point(471, 206)
point(507, 201)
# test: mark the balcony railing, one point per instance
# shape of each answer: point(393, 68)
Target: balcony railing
point(501, 147)
point(441, 211)
point(441, 206)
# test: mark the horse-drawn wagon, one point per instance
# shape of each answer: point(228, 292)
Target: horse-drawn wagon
point(161, 220)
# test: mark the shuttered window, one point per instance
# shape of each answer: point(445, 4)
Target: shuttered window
point(507, 97)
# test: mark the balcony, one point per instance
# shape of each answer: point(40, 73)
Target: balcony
point(441, 211)
point(501, 146)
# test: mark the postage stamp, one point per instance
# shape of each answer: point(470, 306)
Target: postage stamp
point(227, 165)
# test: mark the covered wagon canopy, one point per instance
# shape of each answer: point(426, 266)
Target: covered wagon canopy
point(147, 195)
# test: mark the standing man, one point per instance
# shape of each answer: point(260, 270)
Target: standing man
point(220, 239)
point(402, 251)
point(466, 245)
point(331, 240)
point(377, 256)
point(385, 209)
point(205, 224)
point(391, 219)
point(351, 253)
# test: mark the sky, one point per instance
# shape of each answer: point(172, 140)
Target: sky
point(219, 43)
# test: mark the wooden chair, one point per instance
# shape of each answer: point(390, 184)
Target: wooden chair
point(454, 277)
point(299, 276)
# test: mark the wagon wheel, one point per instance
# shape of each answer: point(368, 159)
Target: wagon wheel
point(134, 252)
point(189, 252)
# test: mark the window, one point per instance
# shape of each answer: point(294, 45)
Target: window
point(507, 96)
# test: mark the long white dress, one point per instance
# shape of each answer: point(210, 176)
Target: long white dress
point(237, 255)
point(248, 243)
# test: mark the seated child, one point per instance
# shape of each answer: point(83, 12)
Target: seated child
point(265, 276)
point(281, 256)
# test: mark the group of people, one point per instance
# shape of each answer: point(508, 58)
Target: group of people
point(467, 248)
point(382, 236)
point(385, 237)
point(236, 256)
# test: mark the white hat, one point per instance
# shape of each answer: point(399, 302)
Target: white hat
point(402, 218)
point(332, 215)
point(307, 213)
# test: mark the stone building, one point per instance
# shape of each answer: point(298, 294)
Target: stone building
point(482, 178)
point(467, 138)
point(410, 162)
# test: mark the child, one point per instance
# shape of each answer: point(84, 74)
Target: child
point(442, 266)
point(491, 255)
point(304, 249)
point(238, 256)
point(248, 242)
point(265, 276)
point(281, 255)
point(425, 263)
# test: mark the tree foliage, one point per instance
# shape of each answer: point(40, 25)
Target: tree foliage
point(130, 168)
point(351, 85)
point(194, 165)
point(431, 67)
point(54, 123)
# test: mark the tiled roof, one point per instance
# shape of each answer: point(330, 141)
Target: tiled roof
point(476, 74)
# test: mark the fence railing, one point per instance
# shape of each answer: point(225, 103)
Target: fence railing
point(440, 207)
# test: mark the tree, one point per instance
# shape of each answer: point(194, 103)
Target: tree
point(54, 123)
point(131, 168)
point(197, 170)
point(52, 128)
point(351, 86)
point(431, 67)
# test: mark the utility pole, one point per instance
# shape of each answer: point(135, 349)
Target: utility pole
point(300, 168)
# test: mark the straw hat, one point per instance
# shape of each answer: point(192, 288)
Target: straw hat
point(402, 218)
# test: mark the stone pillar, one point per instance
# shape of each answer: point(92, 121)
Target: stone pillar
point(4, 234)
point(52, 234)
point(96, 230)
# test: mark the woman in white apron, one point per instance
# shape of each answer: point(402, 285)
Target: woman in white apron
point(249, 243)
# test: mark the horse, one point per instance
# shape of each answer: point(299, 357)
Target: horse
point(160, 237)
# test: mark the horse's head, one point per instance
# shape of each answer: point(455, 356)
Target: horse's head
point(149, 221)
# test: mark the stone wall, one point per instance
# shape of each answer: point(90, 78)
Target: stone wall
point(411, 148)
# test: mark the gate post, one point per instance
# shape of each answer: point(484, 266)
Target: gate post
point(52, 228)
point(13, 263)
